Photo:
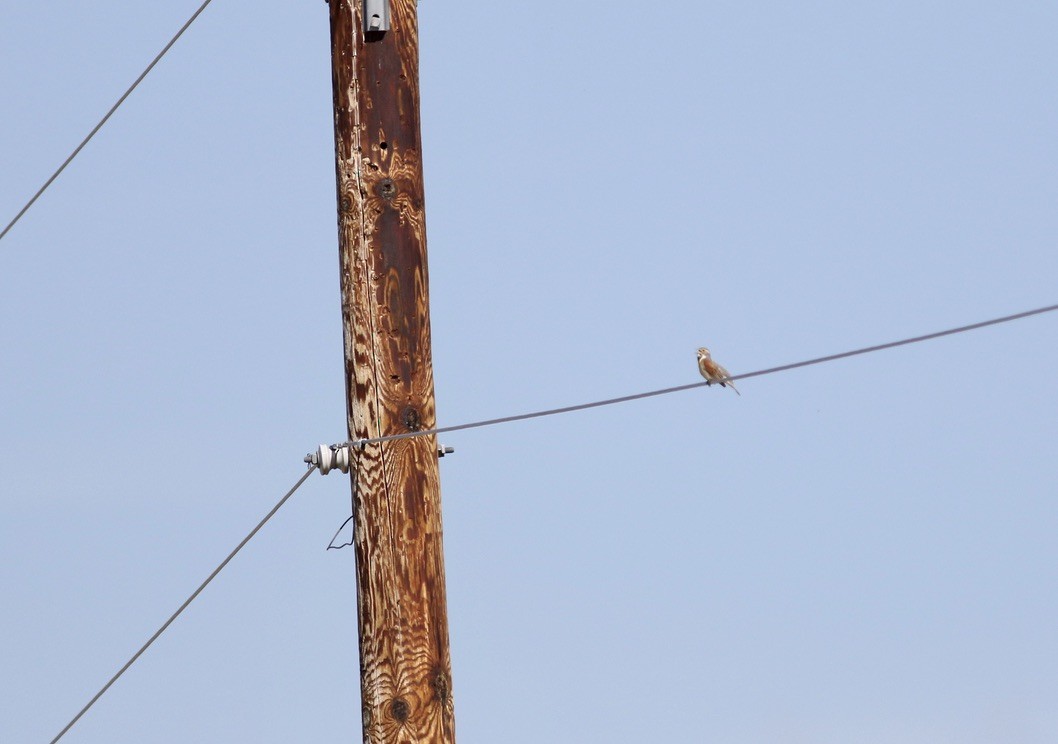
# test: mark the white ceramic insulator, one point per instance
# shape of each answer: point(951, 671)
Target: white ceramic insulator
point(328, 459)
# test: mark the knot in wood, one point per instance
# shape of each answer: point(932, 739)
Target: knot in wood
point(400, 710)
point(411, 419)
point(442, 687)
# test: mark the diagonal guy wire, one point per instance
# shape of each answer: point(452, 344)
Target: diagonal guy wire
point(183, 607)
point(103, 121)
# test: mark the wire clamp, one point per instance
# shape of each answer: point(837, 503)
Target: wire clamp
point(442, 451)
point(330, 457)
point(376, 16)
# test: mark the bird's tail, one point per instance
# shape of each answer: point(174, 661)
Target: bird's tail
point(728, 383)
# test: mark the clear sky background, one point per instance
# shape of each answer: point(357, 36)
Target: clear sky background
point(862, 551)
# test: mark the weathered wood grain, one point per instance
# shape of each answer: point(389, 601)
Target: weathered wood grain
point(404, 657)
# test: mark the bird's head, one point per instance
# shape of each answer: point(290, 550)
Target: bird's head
point(703, 352)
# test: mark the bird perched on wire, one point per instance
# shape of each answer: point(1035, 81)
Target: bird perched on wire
point(713, 372)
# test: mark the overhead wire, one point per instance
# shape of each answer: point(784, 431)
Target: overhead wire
point(184, 606)
point(105, 118)
point(360, 443)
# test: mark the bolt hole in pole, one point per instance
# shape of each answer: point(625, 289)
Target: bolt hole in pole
point(387, 189)
point(383, 145)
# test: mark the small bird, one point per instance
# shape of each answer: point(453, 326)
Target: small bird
point(713, 372)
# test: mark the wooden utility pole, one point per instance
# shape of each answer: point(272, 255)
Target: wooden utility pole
point(405, 668)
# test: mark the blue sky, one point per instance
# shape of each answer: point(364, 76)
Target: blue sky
point(856, 552)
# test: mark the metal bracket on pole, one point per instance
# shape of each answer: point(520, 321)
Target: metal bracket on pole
point(376, 15)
